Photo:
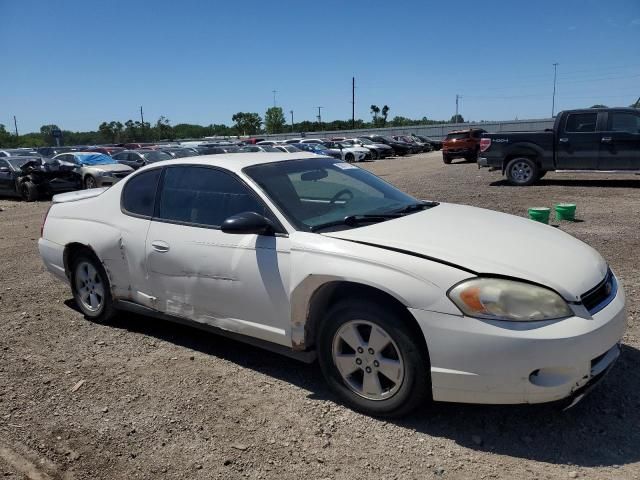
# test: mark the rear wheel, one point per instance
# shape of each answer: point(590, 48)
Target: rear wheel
point(29, 191)
point(522, 171)
point(90, 287)
point(372, 360)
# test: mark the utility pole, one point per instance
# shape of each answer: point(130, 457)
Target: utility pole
point(553, 99)
point(457, 98)
point(274, 97)
point(15, 124)
point(291, 112)
point(353, 102)
point(637, 104)
point(142, 120)
point(320, 117)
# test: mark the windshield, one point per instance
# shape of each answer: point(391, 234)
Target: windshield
point(156, 156)
point(457, 136)
point(366, 141)
point(318, 191)
point(94, 159)
point(18, 162)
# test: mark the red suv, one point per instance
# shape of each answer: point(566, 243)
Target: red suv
point(462, 144)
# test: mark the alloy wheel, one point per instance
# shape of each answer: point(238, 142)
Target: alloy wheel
point(89, 286)
point(521, 172)
point(369, 361)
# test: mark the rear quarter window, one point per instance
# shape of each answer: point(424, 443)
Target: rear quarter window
point(139, 193)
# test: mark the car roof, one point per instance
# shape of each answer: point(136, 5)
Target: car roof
point(235, 162)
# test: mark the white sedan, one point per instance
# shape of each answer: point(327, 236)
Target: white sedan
point(311, 256)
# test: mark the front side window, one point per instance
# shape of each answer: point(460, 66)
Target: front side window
point(314, 192)
point(139, 193)
point(624, 122)
point(204, 196)
point(581, 122)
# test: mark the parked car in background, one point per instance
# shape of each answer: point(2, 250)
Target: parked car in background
point(95, 169)
point(462, 144)
point(257, 148)
point(400, 148)
point(51, 152)
point(270, 142)
point(314, 140)
point(419, 145)
point(377, 150)
point(18, 152)
point(134, 145)
point(288, 148)
point(293, 140)
point(179, 152)
point(215, 148)
point(318, 149)
point(349, 153)
point(141, 157)
point(588, 140)
point(34, 177)
point(107, 150)
point(435, 144)
point(314, 257)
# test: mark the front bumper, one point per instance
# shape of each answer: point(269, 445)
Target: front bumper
point(476, 361)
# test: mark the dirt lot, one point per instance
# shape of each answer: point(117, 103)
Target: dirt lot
point(156, 400)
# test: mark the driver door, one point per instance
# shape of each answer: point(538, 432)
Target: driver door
point(236, 282)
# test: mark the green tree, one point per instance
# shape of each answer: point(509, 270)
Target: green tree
point(46, 132)
point(163, 130)
point(375, 110)
point(274, 120)
point(598, 105)
point(385, 113)
point(111, 131)
point(247, 123)
point(456, 119)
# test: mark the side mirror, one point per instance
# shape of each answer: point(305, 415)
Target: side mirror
point(247, 223)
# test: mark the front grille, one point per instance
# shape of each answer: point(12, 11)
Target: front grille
point(601, 295)
point(120, 174)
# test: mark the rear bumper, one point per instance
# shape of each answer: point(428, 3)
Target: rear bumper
point(52, 256)
point(483, 162)
point(474, 361)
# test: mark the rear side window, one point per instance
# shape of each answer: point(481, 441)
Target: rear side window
point(624, 122)
point(581, 122)
point(204, 196)
point(139, 193)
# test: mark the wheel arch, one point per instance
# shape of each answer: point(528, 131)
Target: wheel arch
point(312, 298)
point(73, 249)
point(527, 150)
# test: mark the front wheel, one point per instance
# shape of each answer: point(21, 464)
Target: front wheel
point(29, 191)
point(446, 159)
point(90, 287)
point(372, 360)
point(90, 182)
point(522, 172)
point(349, 157)
point(374, 155)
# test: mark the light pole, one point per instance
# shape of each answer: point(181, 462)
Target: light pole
point(320, 117)
point(291, 112)
point(274, 97)
point(553, 99)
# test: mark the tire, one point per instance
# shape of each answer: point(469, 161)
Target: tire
point(90, 287)
point(29, 191)
point(446, 159)
point(90, 182)
point(349, 157)
point(522, 172)
point(406, 359)
point(374, 155)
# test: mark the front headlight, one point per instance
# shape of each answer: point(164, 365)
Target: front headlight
point(102, 173)
point(500, 299)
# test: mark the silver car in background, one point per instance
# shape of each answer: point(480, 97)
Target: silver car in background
point(95, 169)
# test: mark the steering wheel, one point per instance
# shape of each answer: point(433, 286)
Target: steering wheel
point(342, 192)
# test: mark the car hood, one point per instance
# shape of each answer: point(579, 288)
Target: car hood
point(490, 243)
point(109, 167)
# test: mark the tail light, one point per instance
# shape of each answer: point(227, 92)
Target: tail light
point(485, 143)
point(44, 220)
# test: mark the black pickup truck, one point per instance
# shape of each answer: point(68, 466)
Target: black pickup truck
point(587, 140)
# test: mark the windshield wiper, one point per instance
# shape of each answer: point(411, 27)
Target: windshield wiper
point(355, 220)
point(414, 207)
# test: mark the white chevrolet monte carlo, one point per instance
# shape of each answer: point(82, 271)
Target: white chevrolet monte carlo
point(401, 300)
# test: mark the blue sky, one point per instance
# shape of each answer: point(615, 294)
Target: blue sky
point(77, 63)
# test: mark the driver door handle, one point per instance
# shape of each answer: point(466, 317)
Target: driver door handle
point(563, 140)
point(606, 140)
point(160, 246)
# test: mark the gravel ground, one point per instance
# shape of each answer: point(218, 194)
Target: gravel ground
point(142, 398)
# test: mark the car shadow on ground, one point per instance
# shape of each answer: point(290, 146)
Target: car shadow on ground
point(602, 430)
point(569, 182)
